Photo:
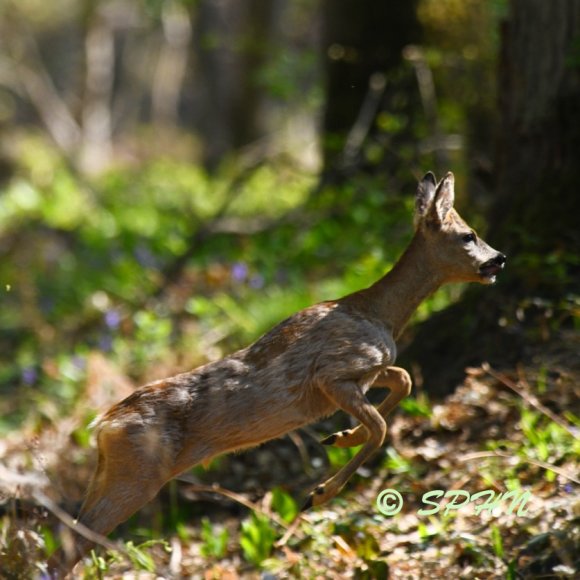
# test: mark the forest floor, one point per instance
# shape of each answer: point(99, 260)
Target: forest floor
point(500, 430)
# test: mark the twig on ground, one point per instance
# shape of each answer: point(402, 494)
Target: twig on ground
point(200, 488)
point(530, 399)
point(290, 531)
point(70, 522)
point(542, 464)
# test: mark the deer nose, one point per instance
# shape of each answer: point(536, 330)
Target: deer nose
point(500, 259)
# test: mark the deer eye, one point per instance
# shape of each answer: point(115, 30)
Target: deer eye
point(468, 238)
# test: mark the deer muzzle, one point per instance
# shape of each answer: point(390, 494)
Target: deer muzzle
point(489, 270)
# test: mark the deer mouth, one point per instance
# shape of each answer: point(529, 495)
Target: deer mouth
point(492, 268)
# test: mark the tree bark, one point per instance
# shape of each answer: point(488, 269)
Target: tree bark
point(535, 216)
point(537, 204)
point(232, 43)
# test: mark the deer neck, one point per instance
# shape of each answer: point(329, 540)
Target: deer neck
point(395, 297)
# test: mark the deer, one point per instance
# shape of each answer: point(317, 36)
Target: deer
point(322, 359)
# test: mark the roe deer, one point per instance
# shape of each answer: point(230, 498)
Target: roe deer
point(321, 359)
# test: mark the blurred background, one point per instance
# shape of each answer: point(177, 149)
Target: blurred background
point(177, 176)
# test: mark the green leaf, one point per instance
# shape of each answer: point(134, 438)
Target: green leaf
point(284, 504)
point(497, 541)
point(257, 539)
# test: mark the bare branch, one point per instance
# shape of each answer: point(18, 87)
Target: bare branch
point(172, 63)
point(40, 89)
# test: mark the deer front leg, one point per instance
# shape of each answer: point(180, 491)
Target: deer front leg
point(399, 382)
point(349, 397)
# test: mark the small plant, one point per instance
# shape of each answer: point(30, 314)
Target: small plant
point(140, 557)
point(416, 407)
point(215, 540)
point(396, 463)
point(257, 539)
point(545, 439)
point(99, 565)
point(497, 542)
point(339, 456)
point(284, 505)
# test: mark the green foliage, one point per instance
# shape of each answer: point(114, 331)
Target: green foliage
point(512, 570)
point(83, 434)
point(284, 505)
point(573, 60)
point(372, 570)
point(398, 464)
point(551, 270)
point(543, 441)
point(50, 542)
point(257, 538)
point(85, 260)
point(285, 75)
point(99, 565)
point(416, 406)
point(497, 541)
point(215, 540)
point(340, 456)
point(92, 253)
point(139, 555)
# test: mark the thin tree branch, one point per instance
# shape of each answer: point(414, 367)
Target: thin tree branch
point(38, 85)
point(364, 121)
point(97, 128)
point(171, 66)
point(426, 84)
point(172, 272)
point(530, 399)
point(71, 523)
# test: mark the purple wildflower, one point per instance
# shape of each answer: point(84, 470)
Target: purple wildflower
point(112, 319)
point(145, 257)
point(29, 375)
point(239, 272)
point(106, 343)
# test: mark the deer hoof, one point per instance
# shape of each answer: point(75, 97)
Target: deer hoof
point(307, 504)
point(337, 438)
point(330, 440)
point(315, 498)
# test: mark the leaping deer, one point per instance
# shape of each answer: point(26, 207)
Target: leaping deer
point(321, 359)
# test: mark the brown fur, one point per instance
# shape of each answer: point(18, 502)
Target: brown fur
point(319, 360)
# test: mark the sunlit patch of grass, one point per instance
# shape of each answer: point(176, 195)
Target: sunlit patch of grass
point(543, 441)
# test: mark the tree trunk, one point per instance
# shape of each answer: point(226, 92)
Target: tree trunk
point(537, 204)
point(360, 39)
point(535, 217)
point(232, 41)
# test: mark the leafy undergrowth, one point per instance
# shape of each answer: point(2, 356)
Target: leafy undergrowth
point(511, 431)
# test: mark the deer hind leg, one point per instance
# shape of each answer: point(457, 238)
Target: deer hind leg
point(130, 472)
point(399, 382)
point(349, 397)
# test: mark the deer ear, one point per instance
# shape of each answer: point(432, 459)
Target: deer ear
point(444, 198)
point(424, 196)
